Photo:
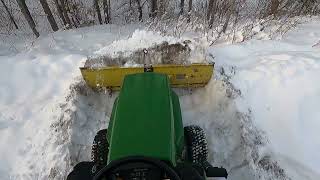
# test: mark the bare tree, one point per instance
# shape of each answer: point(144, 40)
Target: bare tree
point(189, 10)
point(181, 7)
point(74, 11)
point(10, 15)
point(230, 7)
point(64, 8)
point(26, 13)
point(210, 8)
point(50, 18)
point(274, 5)
point(106, 10)
point(60, 13)
point(154, 8)
point(96, 6)
point(307, 6)
point(139, 9)
point(225, 25)
point(211, 12)
point(161, 9)
point(109, 10)
point(190, 6)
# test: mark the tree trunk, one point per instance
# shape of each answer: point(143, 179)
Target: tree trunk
point(50, 18)
point(140, 10)
point(26, 13)
point(96, 6)
point(210, 9)
point(109, 10)
point(65, 12)
point(225, 25)
point(60, 13)
point(154, 8)
point(77, 14)
point(181, 7)
point(106, 11)
point(161, 9)
point(304, 5)
point(274, 7)
point(231, 9)
point(190, 6)
point(189, 10)
point(211, 13)
point(10, 15)
point(74, 13)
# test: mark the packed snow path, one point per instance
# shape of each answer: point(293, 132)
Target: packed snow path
point(260, 115)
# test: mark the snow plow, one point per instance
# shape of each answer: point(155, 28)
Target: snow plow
point(193, 75)
point(145, 138)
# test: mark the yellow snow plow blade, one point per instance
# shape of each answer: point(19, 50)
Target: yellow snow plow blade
point(193, 75)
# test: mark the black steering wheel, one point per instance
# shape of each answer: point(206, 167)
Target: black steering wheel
point(110, 168)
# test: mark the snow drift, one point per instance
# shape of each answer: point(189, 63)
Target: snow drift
point(278, 83)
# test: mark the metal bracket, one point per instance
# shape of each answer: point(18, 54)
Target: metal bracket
point(148, 68)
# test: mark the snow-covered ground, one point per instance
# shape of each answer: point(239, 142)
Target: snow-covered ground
point(260, 113)
point(278, 83)
point(34, 85)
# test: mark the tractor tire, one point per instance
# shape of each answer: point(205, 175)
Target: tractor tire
point(100, 149)
point(196, 144)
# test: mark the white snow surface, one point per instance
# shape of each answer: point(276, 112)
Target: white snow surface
point(279, 84)
point(34, 84)
point(264, 103)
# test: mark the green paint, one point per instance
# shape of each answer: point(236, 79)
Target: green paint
point(146, 120)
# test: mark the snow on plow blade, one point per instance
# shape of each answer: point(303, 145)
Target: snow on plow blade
point(180, 76)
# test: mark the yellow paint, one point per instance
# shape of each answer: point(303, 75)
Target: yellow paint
point(194, 75)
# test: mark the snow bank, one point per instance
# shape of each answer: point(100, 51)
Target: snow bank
point(34, 88)
point(278, 83)
point(32, 84)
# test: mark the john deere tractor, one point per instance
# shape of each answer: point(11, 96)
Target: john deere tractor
point(145, 138)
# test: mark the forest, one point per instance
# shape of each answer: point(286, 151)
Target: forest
point(44, 16)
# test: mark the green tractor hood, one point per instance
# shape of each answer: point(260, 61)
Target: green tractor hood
point(147, 114)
